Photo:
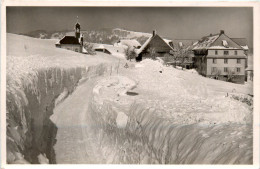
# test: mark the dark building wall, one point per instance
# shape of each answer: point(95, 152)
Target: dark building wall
point(159, 45)
point(239, 79)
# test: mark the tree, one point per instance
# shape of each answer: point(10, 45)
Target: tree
point(230, 75)
point(89, 48)
point(180, 55)
point(130, 53)
point(216, 73)
point(152, 52)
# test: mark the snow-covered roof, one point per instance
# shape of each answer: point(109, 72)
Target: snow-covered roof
point(129, 42)
point(84, 50)
point(144, 45)
point(185, 43)
point(98, 46)
point(216, 41)
point(138, 51)
point(206, 42)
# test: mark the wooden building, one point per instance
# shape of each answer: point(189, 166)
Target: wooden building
point(155, 46)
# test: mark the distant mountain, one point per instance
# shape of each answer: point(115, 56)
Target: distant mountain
point(105, 35)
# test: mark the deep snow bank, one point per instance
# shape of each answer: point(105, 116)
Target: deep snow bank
point(38, 77)
point(30, 132)
point(129, 131)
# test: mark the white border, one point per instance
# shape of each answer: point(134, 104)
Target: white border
point(162, 3)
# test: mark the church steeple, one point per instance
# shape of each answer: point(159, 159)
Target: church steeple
point(77, 29)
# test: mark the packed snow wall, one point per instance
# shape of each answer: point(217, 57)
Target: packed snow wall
point(31, 99)
point(139, 135)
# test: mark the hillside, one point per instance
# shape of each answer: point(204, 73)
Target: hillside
point(105, 36)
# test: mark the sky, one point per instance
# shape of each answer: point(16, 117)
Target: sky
point(170, 22)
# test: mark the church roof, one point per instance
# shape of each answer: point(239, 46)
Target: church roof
point(70, 40)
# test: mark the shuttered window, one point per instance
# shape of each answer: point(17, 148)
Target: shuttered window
point(225, 69)
point(238, 61)
point(226, 61)
point(226, 52)
point(214, 61)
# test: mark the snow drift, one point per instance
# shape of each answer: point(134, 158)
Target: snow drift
point(39, 76)
point(130, 131)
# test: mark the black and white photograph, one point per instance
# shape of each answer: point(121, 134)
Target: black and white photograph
point(129, 85)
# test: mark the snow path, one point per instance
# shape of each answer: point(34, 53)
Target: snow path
point(76, 144)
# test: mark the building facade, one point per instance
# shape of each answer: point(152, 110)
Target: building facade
point(155, 46)
point(219, 57)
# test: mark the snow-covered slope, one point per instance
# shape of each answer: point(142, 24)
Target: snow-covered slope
point(37, 74)
point(173, 117)
point(148, 113)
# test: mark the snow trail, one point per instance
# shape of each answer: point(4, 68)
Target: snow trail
point(76, 144)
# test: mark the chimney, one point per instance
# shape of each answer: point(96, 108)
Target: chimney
point(222, 32)
point(154, 32)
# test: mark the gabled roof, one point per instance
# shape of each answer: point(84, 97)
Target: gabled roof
point(98, 46)
point(72, 40)
point(217, 41)
point(138, 51)
point(129, 42)
point(242, 42)
point(186, 43)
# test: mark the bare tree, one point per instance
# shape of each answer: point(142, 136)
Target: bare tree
point(216, 73)
point(130, 53)
point(89, 48)
point(231, 74)
point(152, 52)
point(181, 55)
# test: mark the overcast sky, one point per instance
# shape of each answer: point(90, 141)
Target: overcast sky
point(171, 22)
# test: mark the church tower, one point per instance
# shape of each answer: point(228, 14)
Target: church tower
point(77, 29)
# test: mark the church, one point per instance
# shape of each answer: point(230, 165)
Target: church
point(74, 43)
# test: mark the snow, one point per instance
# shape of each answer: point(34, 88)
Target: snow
point(128, 42)
point(172, 113)
point(121, 120)
point(206, 42)
point(176, 116)
point(245, 47)
point(224, 42)
point(133, 34)
point(37, 74)
point(221, 47)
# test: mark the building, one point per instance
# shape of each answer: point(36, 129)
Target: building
point(155, 46)
point(218, 56)
point(101, 48)
point(74, 43)
point(249, 73)
point(131, 43)
point(184, 56)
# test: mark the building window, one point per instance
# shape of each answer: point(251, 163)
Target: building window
point(225, 61)
point(213, 69)
point(214, 60)
point(235, 52)
point(216, 52)
point(238, 69)
point(226, 52)
point(238, 61)
point(225, 69)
